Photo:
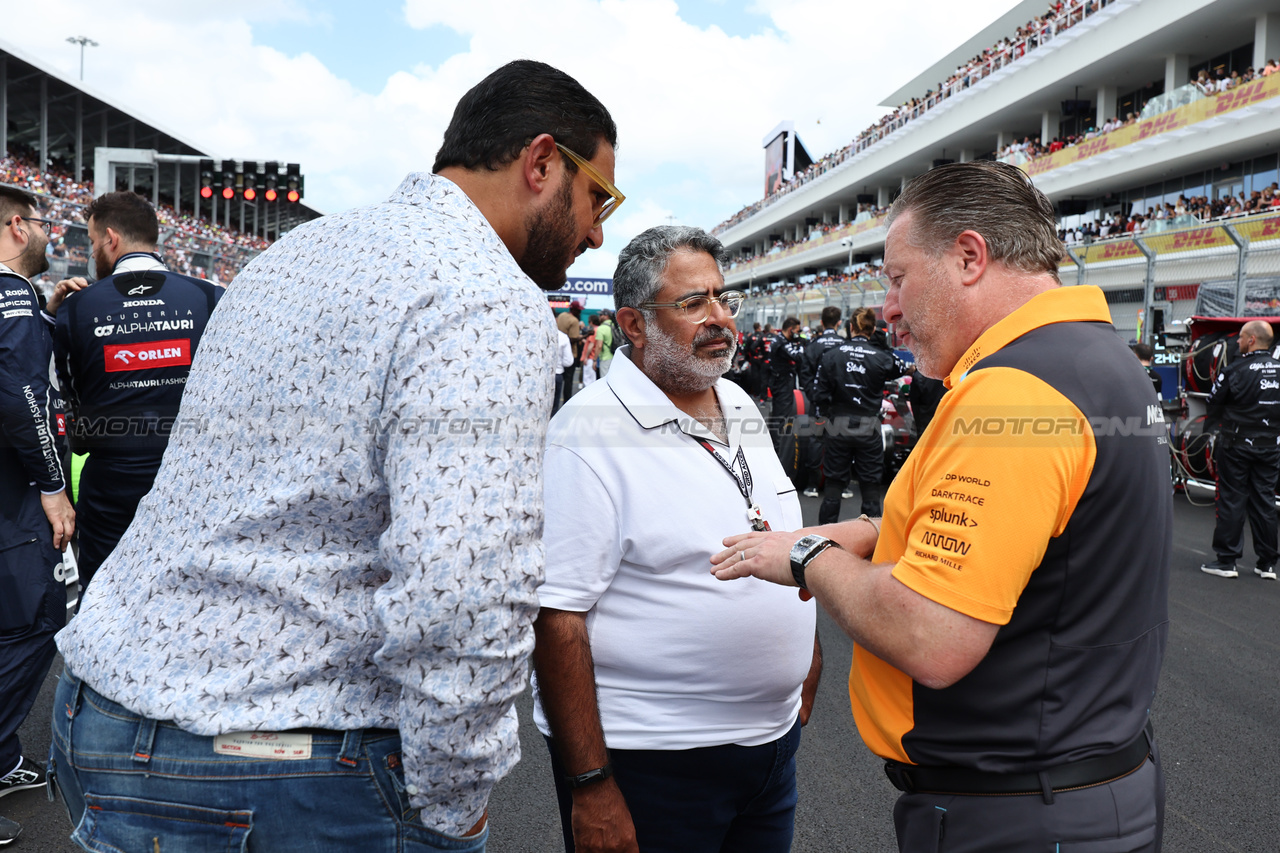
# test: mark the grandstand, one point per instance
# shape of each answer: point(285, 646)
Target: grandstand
point(1151, 125)
point(50, 129)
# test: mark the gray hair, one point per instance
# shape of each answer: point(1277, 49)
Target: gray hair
point(994, 199)
point(638, 277)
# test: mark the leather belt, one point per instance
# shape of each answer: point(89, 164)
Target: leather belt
point(1065, 777)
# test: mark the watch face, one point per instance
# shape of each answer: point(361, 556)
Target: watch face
point(806, 544)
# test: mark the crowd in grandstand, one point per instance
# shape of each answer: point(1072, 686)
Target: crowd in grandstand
point(1061, 15)
point(190, 245)
point(864, 211)
point(1205, 85)
point(1185, 212)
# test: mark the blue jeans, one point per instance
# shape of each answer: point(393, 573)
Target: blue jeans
point(714, 799)
point(136, 784)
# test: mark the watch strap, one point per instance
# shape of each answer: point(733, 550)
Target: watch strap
point(582, 780)
point(812, 545)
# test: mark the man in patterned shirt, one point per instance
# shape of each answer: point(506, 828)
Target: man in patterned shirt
point(325, 603)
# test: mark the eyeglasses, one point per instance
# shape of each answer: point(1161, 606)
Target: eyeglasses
point(698, 308)
point(607, 209)
point(46, 224)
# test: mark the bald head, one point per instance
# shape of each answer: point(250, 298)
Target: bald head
point(1256, 335)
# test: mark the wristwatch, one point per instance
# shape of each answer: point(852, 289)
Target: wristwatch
point(804, 552)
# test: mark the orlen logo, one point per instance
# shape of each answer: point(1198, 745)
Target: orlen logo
point(119, 357)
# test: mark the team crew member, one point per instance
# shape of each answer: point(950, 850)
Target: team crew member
point(1011, 622)
point(848, 392)
point(1146, 354)
point(786, 350)
point(124, 347)
point(924, 395)
point(36, 519)
point(756, 346)
point(818, 347)
point(1244, 407)
point(813, 353)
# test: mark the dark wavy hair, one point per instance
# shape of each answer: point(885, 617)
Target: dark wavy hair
point(503, 113)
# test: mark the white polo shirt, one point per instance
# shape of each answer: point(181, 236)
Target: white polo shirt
point(635, 508)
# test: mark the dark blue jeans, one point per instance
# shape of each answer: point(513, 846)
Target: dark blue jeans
point(716, 799)
point(131, 783)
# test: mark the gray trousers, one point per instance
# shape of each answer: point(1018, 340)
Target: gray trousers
point(1122, 816)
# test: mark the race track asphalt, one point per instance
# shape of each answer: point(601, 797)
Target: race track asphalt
point(1215, 718)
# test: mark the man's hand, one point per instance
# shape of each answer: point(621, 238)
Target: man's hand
point(61, 517)
point(601, 820)
point(61, 290)
point(760, 554)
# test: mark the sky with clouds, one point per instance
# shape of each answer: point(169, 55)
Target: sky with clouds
point(359, 94)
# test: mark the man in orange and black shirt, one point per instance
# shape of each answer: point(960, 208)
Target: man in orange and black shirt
point(1011, 619)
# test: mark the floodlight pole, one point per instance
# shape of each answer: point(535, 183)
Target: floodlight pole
point(83, 41)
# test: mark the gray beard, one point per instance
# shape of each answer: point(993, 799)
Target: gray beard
point(682, 371)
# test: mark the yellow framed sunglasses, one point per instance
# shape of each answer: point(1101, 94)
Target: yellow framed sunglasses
point(616, 198)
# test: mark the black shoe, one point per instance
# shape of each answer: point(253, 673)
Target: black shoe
point(1221, 569)
point(27, 775)
point(8, 830)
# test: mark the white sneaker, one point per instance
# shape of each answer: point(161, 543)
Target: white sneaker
point(1266, 572)
point(847, 494)
point(1222, 570)
point(811, 492)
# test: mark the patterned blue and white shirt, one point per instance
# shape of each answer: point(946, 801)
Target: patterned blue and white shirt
point(346, 528)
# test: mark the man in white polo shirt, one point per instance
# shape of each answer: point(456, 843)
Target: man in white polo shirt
point(672, 705)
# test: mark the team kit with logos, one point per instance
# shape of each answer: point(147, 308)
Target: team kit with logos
point(125, 346)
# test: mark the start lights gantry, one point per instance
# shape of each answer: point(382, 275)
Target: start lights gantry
point(249, 182)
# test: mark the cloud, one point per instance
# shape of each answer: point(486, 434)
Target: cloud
point(691, 103)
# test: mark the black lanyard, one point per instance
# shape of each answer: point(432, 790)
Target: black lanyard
point(754, 515)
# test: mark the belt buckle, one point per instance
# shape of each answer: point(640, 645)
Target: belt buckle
point(899, 777)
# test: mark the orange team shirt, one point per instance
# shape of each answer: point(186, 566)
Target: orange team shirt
point(995, 476)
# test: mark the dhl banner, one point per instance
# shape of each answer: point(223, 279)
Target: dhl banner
point(850, 230)
point(1229, 101)
point(1254, 229)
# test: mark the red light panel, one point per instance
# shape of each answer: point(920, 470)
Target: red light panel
point(270, 195)
point(228, 193)
point(206, 192)
point(293, 195)
point(250, 194)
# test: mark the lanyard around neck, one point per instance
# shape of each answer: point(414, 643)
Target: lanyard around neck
point(743, 481)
